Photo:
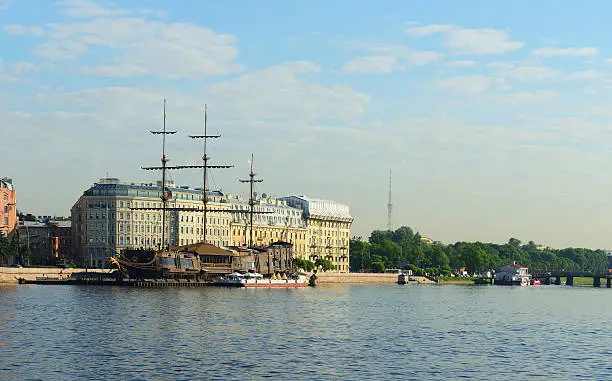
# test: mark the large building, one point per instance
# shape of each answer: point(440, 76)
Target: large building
point(279, 222)
point(8, 207)
point(111, 216)
point(329, 229)
point(105, 219)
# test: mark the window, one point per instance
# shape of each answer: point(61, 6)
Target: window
point(5, 197)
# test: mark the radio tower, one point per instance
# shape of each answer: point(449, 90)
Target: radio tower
point(389, 206)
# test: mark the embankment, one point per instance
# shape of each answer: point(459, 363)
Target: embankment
point(10, 274)
point(369, 278)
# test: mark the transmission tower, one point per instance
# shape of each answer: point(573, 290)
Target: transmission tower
point(389, 206)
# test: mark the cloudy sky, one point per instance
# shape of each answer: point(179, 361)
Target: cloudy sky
point(494, 116)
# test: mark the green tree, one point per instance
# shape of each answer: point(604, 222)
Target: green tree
point(359, 260)
point(304, 264)
point(325, 264)
point(377, 267)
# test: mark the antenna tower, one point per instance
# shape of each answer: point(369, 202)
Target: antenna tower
point(389, 206)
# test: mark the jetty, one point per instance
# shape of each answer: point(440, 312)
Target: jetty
point(554, 277)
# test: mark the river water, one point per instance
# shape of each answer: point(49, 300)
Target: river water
point(344, 332)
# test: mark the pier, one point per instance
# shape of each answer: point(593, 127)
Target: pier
point(554, 277)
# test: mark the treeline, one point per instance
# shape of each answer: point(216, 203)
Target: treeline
point(404, 249)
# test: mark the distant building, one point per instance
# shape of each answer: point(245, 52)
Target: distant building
point(104, 222)
point(8, 207)
point(427, 240)
point(329, 229)
point(45, 241)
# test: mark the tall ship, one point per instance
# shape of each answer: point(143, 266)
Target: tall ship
point(170, 261)
point(272, 264)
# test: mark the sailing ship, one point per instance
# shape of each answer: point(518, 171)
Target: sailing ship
point(204, 261)
point(165, 261)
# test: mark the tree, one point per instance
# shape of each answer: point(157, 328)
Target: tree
point(359, 260)
point(325, 264)
point(474, 257)
point(439, 258)
point(514, 242)
point(304, 264)
point(377, 267)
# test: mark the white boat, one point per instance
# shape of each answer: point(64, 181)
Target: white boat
point(512, 275)
point(252, 280)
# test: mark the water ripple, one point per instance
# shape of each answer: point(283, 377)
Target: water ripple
point(331, 332)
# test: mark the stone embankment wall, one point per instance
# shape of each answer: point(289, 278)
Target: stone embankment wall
point(329, 277)
point(10, 274)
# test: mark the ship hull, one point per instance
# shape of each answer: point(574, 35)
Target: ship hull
point(275, 285)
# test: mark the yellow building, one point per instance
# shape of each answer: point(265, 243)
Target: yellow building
point(328, 229)
point(279, 223)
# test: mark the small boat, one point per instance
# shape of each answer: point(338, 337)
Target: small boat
point(252, 280)
point(535, 282)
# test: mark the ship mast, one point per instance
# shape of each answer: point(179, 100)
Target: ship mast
point(205, 159)
point(251, 180)
point(165, 194)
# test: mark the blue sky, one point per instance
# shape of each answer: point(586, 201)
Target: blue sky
point(494, 116)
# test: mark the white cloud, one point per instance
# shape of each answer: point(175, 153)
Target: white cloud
point(528, 97)
point(386, 57)
point(566, 52)
point(21, 30)
point(89, 9)
point(372, 64)
point(140, 47)
point(469, 85)
point(23, 67)
point(460, 63)
point(470, 41)
point(278, 92)
point(588, 74)
point(522, 72)
point(428, 29)
point(481, 41)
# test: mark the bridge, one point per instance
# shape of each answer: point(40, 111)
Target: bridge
point(554, 277)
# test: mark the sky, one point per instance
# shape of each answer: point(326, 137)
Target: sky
point(494, 116)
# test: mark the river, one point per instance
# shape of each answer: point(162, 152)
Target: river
point(345, 332)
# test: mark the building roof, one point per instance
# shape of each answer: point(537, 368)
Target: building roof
point(7, 183)
point(152, 187)
point(206, 248)
point(319, 208)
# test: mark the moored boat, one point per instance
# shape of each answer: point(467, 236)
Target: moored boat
point(256, 280)
point(512, 275)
